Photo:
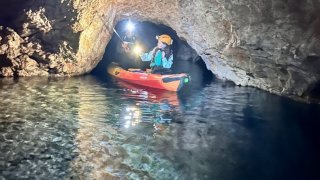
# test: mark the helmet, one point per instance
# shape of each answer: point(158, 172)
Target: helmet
point(165, 39)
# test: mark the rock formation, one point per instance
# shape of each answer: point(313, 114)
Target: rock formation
point(270, 44)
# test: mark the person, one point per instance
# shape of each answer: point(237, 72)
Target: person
point(128, 41)
point(126, 57)
point(161, 56)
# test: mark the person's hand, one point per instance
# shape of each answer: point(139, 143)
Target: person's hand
point(124, 45)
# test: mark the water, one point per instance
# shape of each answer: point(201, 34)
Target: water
point(87, 128)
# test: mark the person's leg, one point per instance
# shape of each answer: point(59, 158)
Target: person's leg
point(167, 71)
point(159, 70)
point(156, 70)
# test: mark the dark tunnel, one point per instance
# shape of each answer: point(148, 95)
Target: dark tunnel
point(185, 59)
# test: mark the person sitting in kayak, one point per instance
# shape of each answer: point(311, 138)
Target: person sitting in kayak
point(126, 57)
point(128, 41)
point(161, 56)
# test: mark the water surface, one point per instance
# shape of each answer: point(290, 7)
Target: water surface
point(88, 128)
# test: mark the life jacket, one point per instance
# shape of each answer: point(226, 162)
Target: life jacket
point(156, 49)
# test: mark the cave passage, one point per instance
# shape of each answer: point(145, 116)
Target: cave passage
point(185, 59)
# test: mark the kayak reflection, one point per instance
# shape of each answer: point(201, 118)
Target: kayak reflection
point(149, 94)
point(152, 106)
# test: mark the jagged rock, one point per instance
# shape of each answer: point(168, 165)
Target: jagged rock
point(36, 20)
point(270, 44)
point(29, 67)
point(6, 71)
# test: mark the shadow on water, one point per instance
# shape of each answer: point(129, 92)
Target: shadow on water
point(89, 127)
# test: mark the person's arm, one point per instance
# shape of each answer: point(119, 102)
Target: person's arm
point(147, 56)
point(167, 63)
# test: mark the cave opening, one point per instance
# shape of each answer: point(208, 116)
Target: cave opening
point(185, 58)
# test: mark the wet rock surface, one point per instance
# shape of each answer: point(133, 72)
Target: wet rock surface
point(272, 45)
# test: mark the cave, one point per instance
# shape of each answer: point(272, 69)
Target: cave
point(186, 59)
point(251, 110)
point(267, 45)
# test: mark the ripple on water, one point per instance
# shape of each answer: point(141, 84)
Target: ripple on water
point(84, 128)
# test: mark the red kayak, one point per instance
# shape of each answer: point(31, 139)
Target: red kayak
point(170, 82)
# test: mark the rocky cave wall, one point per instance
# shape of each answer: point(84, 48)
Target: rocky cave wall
point(270, 44)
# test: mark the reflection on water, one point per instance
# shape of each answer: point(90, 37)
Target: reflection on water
point(149, 94)
point(151, 105)
point(84, 128)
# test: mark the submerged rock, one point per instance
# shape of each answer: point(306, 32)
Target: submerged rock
point(272, 45)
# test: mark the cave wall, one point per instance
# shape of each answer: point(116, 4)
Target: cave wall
point(270, 44)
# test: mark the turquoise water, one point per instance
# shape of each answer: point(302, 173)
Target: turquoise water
point(88, 128)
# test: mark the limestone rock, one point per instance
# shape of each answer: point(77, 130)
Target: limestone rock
point(37, 20)
point(270, 44)
point(6, 71)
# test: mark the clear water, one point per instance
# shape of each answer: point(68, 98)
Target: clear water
point(86, 128)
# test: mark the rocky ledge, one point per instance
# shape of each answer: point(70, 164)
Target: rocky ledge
point(270, 44)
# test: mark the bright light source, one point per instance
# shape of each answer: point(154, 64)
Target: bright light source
point(137, 50)
point(130, 26)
